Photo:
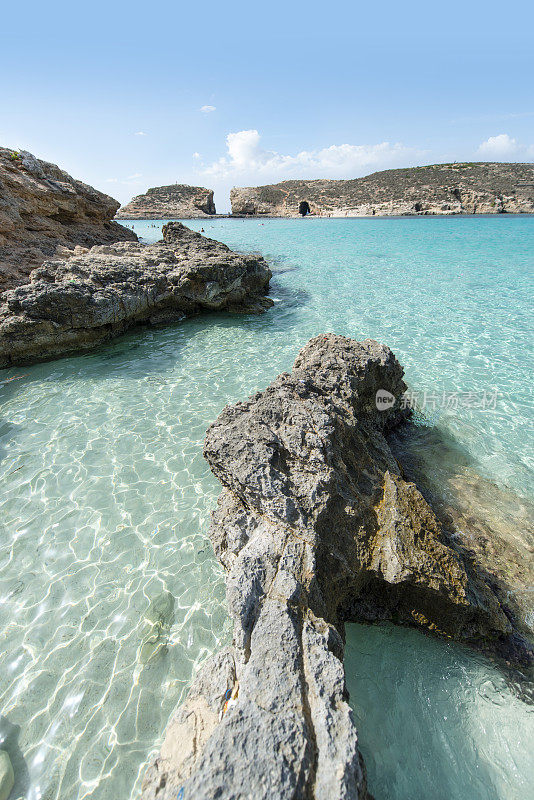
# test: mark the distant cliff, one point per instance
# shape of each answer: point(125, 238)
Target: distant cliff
point(170, 202)
point(46, 213)
point(439, 189)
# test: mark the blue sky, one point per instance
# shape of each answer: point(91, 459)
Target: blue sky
point(131, 95)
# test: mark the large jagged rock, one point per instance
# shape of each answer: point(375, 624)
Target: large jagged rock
point(177, 201)
point(44, 212)
point(315, 526)
point(95, 295)
point(491, 188)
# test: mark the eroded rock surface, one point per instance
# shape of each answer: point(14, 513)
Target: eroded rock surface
point(315, 526)
point(97, 294)
point(482, 188)
point(177, 201)
point(45, 212)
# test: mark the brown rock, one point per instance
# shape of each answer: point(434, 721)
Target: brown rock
point(42, 208)
point(177, 201)
point(476, 188)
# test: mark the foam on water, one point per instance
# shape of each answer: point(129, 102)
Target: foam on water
point(106, 496)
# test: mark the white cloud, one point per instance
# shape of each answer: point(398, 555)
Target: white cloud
point(499, 146)
point(140, 133)
point(208, 109)
point(504, 146)
point(131, 180)
point(196, 155)
point(246, 156)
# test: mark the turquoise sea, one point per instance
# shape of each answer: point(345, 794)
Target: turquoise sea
point(110, 595)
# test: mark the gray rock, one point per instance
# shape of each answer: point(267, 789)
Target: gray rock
point(76, 304)
point(190, 728)
point(7, 777)
point(315, 526)
point(32, 164)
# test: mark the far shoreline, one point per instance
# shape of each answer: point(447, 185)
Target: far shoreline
point(256, 217)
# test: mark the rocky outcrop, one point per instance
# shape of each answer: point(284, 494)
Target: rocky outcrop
point(438, 189)
point(97, 294)
point(177, 201)
point(315, 526)
point(44, 213)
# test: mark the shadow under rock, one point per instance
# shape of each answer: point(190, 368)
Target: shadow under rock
point(293, 298)
point(7, 430)
point(490, 526)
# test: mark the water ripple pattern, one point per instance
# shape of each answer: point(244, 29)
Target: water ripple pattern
point(447, 726)
point(110, 594)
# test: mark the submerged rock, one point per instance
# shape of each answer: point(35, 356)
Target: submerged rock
point(45, 212)
point(315, 526)
point(7, 777)
point(74, 305)
point(493, 522)
point(158, 622)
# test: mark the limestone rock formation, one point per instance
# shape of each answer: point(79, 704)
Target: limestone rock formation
point(44, 213)
point(482, 188)
point(95, 295)
point(177, 201)
point(315, 526)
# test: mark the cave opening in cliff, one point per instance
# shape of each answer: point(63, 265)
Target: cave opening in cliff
point(304, 208)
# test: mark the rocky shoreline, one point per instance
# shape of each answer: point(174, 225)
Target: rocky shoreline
point(440, 189)
point(315, 526)
point(72, 306)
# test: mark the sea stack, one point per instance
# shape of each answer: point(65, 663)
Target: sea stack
point(476, 188)
point(177, 201)
point(44, 213)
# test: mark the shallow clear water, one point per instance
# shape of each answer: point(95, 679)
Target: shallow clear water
point(110, 594)
point(435, 720)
